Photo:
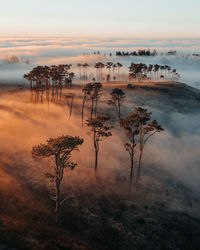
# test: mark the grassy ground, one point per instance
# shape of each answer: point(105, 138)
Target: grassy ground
point(161, 212)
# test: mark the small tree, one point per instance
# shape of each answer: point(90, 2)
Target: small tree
point(93, 92)
point(79, 65)
point(131, 129)
point(117, 97)
point(87, 90)
point(69, 101)
point(100, 131)
point(119, 65)
point(96, 94)
point(138, 71)
point(60, 150)
point(139, 129)
point(146, 130)
point(109, 66)
point(85, 66)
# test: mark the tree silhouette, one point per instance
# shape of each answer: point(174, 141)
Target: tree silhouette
point(149, 70)
point(101, 66)
point(96, 94)
point(109, 66)
point(119, 65)
point(139, 129)
point(60, 150)
point(108, 78)
point(138, 71)
point(156, 68)
point(87, 92)
point(69, 101)
point(117, 97)
point(97, 66)
point(114, 66)
point(79, 65)
point(50, 76)
point(71, 75)
point(99, 131)
point(140, 52)
point(85, 66)
point(131, 129)
point(92, 91)
point(146, 129)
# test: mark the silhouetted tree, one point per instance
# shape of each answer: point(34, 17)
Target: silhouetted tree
point(146, 130)
point(138, 71)
point(108, 78)
point(92, 91)
point(85, 66)
point(46, 76)
point(71, 75)
point(99, 131)
point(156, 68)
point(150, 68)
point(101, 66)
point(131, 129)
point(87, 92)
point(79, 65)
point(119, 65)
point(70, 99)
point(140, 52)
point(96, 94)
point(109, 66)
point(114, 66)
point(117, 97)
point(59, 149)
point(97, 66)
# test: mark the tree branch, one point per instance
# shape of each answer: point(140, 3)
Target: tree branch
point(149, 136)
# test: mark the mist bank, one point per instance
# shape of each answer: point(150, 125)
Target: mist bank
point(58, 50)
point(165, 201)
point(25, 123)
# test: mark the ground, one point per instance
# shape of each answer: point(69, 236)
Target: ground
point(106, 211)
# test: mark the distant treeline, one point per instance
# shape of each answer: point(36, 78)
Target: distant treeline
point(140, 52)
point(171, 53)
point(15, 60)
point(196, 54)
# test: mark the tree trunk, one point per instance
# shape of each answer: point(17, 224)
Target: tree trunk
point(96, 159)
point(131, 173)
point(60, 92)
point(119, 110)
point(141, 151)
point(57, 210)
point(92, 108)
point(82, 112)
point(95, 110)
point(71, 107)
point(31, 85)
point(139, 163)
point(80, 72)
point(96, 147)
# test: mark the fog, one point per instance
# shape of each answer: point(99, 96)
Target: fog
point(170, 174)
point(56, 50)
point(24, 124)
point(171, 158)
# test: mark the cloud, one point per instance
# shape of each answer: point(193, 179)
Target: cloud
point(55, 50)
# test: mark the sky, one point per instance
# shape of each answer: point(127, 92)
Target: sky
point(102, 18)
